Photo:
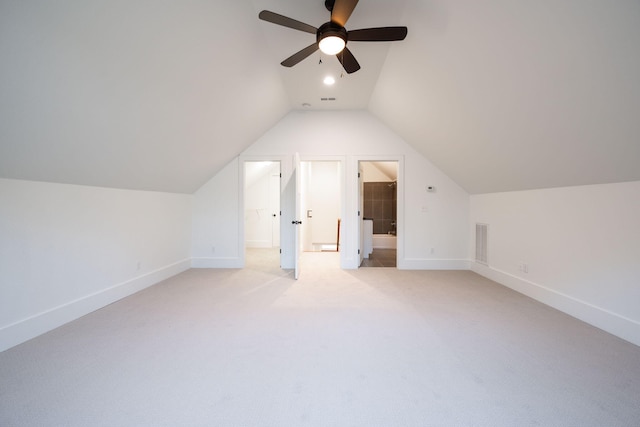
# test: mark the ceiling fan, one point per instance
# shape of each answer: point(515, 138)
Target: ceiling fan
point(332, 36)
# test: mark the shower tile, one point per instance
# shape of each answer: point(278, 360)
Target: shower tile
point(387, 209)
point(377, 210)
point(378, 190)
point(368, 191)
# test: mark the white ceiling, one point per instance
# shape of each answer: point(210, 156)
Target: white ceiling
point(500, 94)
point(304, 81)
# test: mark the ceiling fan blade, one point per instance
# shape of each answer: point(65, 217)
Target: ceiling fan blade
point(342, 11)
point(300, 55)
point(382, 34)
point(348, 61)
point(275, 18)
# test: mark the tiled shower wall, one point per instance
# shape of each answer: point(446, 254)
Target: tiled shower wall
point(380, 201)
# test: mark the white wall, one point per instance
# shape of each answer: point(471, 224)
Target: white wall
point(429, 220)
point(217, 239)
point(67, 250)
point(581, 246)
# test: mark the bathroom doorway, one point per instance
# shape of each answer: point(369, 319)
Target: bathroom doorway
point(379, 207)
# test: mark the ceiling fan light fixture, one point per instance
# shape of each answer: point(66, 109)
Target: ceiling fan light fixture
point(332, 38)
point(332, 45)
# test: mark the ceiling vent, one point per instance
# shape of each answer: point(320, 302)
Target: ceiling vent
point(327, 99)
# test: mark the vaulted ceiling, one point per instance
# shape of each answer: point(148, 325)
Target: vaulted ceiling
point(500, 94)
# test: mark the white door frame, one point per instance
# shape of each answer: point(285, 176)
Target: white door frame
point(354, 202)
point(343, 197)
point(241, 235)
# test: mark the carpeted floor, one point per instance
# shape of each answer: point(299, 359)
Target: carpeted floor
point(372, 347)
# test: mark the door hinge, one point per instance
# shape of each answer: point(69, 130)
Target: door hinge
point(358, 174)
point(280, 174)
point(358, 251)
point(358, 213)
point(280, 250)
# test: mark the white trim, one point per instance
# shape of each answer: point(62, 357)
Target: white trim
point(613, 323)
point(228, 262)
point(26, 329)
point(433, 264)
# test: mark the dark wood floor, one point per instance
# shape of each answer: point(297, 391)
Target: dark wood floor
point(380, 258)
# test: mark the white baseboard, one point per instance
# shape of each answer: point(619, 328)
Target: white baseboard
point(230, 262)
point(620, 326)
point(26, 329)
point(433, 264)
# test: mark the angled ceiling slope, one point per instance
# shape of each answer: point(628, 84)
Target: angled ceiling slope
point(500, 95)
point(139, 95)
point(518, 95)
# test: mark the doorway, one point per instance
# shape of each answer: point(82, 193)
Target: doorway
point(262, 213)
point(320, 207)
point(379, 206)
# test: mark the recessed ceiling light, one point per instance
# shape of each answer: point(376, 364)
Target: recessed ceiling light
point(329, 80)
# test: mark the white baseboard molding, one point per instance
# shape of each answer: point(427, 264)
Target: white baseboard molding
point(433, 264)
point(26, 329)
point(228, 262)
point(620, 326)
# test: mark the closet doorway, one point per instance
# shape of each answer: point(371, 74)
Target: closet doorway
point(262, 213)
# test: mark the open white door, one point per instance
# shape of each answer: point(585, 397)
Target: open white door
point(274, 207)
point(361, 211)
point(297, 221)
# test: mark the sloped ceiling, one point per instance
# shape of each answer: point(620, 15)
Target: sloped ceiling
point(138, 94)
point(512, 95)
point(388, 169)
point(500, 94)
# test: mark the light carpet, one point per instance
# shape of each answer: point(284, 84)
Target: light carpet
point(369, 347)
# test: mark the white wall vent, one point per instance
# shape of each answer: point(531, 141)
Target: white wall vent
point(481, 243)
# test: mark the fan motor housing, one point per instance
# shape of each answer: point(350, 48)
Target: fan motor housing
point(331, 29)
point(329, 4)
